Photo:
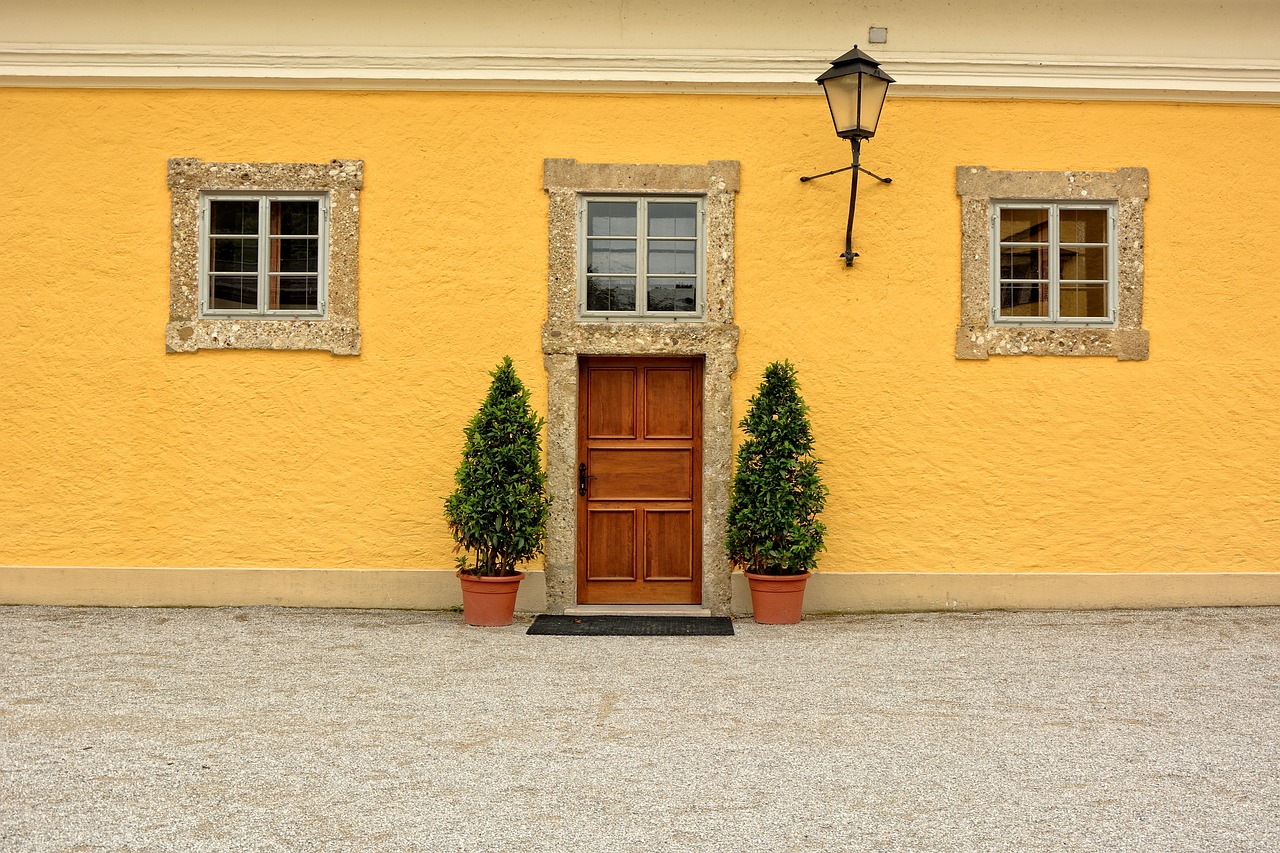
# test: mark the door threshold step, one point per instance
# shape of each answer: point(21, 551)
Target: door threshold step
point(637, 610)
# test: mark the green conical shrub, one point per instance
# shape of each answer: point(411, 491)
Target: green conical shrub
point(777, 493)
point(498, 512)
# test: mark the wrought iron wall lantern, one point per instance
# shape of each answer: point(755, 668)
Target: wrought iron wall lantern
point(855, 88)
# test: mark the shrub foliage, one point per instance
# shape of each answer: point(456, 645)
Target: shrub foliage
point(777, 493)
point(498, 511)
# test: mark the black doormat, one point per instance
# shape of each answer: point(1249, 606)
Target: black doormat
point(632, 626)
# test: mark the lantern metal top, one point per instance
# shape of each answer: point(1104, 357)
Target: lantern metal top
point(854, 62)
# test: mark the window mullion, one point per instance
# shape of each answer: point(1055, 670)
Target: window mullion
point(1055, 260)
point(642, 268)
point(264, 252)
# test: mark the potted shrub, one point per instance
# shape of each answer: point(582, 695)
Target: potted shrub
point(774, 534)
point(498, 511)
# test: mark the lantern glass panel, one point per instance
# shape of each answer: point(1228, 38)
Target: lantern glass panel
point(873, 91)
point(843, 98)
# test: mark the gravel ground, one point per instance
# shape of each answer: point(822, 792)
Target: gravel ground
point(274, 729)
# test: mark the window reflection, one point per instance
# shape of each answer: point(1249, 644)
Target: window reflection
point(611, 294)
point(672, 294)
point(611, 219)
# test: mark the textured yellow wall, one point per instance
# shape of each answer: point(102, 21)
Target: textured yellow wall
point(117, 454)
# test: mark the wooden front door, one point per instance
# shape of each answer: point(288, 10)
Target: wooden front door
point(639, 481)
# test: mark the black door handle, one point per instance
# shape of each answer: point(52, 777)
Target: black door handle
point(582, 479)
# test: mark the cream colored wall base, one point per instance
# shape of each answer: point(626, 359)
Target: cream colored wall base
point(828, 592)
point(400, 589)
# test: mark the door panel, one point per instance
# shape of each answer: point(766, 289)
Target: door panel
point(639, 521)
point(612, 392)
point(668, 537)
point(640, 473)
point(664, 417)
point(612, 536)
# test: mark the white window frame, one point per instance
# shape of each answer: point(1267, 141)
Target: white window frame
point(1054, 319)
point(641, 311)
point(264, 240)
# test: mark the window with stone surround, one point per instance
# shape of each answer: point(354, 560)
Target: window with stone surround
point(1052, 263)
point(264, 256)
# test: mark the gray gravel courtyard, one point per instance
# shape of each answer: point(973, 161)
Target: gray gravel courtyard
point(275, 729)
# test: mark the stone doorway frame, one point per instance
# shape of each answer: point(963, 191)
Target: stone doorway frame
point(566, 336)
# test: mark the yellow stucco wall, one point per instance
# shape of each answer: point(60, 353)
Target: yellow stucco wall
point(118, 454)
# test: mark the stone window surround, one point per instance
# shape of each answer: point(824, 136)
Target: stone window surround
point(339, 331)
point(978, 186)
point(566, 337)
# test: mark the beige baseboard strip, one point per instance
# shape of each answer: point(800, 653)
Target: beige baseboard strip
point(854, 592)
point(398, 589)
point(437, 589)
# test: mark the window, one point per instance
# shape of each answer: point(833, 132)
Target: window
point(1051, 263)
point(264, 256)
point(641, 257)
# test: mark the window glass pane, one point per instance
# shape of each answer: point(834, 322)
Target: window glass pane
point(1024, 225)
point(294, 293)
point(677, 257)
point(611, 218)
point(1082, 226)
point(1087, 262)
point(1024, 300)
point(672, 294)
point(295, 217)
point(233, 292)
point(611, 294)
point(1083, 300)
point(234, 254)
point(296, 255)
point(1029, 262)
point(233, 217)
point(611, 256)
point(673, 219)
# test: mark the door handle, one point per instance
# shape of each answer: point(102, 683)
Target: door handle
point(582, 479)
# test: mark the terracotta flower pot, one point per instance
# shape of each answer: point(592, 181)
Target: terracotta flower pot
point(776, 599)
point(489, 602)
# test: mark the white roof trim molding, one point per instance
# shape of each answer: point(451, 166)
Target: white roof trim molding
point(920, 75)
